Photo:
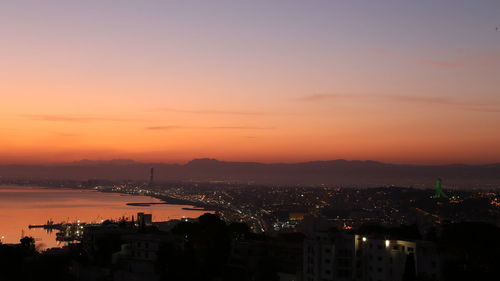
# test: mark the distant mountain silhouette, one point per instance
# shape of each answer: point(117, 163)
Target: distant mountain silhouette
point(336, 172)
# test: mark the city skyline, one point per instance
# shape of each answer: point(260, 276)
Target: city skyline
point(258, 140)
point(263, 81)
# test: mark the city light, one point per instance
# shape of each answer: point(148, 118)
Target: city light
point(387, 243)
point(364, 239)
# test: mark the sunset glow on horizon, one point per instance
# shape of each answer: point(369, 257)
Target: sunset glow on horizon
point(285, 81)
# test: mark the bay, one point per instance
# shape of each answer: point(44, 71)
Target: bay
point(21, 206)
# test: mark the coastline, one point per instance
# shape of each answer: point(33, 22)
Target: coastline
point(196, 206)
point(191, 205)
point(193, 208)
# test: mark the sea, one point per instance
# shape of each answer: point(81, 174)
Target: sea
point(21, 206)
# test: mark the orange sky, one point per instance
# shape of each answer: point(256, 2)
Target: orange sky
point(172, 82)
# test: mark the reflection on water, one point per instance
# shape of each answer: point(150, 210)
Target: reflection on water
point(21, 206)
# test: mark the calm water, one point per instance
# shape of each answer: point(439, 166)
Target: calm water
point(22, 206)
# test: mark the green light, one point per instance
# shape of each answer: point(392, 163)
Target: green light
point(439, 190)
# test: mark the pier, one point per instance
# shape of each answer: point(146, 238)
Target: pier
point(50, 225)
point(67, 231)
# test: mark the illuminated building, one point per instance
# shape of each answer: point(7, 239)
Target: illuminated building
point(439, 190)
point(144, 220)
point(341, 256)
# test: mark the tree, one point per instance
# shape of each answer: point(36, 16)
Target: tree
point(28, 242)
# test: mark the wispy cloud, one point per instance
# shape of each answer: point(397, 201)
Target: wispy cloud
point(429, 100)
point(172, 127)
point(470, 105)
point(214, 111)
point(165, 128)
point(487, 110)
point(73, 118)
point(322, 97)
point(435, 63)
point(241, 128)
point(65, 135)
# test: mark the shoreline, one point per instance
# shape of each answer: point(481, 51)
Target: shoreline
point(196, 206)
point(193, 208)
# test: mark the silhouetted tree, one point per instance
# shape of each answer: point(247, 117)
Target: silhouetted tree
point(28, 242)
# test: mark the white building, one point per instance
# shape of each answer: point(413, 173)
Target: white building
point(329, 256)
point(340, 256)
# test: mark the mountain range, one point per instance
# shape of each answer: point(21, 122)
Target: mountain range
point(336, 172)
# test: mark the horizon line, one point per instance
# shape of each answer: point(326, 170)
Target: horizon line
point(182, 163)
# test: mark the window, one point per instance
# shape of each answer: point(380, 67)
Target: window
point(343, 273)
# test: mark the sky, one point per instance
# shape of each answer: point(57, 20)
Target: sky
point(262, 80)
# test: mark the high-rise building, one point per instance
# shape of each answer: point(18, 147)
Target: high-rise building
point(330, 256)
point(144, 220)
point(340, 256)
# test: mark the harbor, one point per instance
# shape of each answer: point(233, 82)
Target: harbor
point(67, 232)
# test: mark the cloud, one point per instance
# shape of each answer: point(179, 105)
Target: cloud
point(214, 112)
point(470, 105)
point(322, 97)
point(487, 110)
point(164, 128)
point(66, 135)
point(441, 64)
point(170, 127)
point(241, 128)
point(73, 118)
point(429, 100)
point(438, 64)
